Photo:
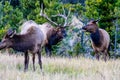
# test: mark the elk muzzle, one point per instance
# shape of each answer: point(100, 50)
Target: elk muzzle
point(84, 27)
point(2, 45)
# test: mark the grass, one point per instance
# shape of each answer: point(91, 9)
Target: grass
point(57, 68)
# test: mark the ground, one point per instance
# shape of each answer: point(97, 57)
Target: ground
point(59, 68)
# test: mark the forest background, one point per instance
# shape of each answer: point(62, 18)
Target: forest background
point(14, 12)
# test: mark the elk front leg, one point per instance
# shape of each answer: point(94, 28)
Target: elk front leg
point(97, 55)
point(26, 61)
point(48, 50)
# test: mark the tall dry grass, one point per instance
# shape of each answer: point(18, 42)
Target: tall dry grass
point(57, 68)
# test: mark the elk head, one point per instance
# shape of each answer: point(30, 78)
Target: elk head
point(91, 26)
point(7, 39)
point(61, 29)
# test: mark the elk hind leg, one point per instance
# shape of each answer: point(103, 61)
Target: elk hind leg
point(33, 59)
point(39, 59)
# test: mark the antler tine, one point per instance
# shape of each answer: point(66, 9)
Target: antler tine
point(63, 10)
point(41, 11)
point(66, 17)
point(97, 20)
point(69, 12)
point(45, 16)
point(63, 16)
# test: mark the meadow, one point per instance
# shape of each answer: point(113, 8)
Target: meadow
point(59, 68)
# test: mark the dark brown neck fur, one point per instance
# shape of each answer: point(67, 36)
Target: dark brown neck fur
point(97, 38)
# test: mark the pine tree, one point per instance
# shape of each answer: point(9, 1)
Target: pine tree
point(10, 17)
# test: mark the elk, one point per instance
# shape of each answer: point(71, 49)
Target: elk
point(53, 35)
point(100, 39)
point(29, 40)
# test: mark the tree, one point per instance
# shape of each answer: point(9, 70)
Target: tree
point(10, 17)
point(117, 25)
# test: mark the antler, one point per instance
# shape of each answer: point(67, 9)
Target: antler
point(63, 16)
point(60, 15)
point(97, 20)
point(45, 16)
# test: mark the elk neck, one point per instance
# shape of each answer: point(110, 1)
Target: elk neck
point(54, 39)
point(96, 37)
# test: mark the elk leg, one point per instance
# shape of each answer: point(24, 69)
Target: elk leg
point(26, 61)
point(39, 59)
point(97, 55)
point(105, 56)
point(48, 50)
point(33, 59)
point(108, 54)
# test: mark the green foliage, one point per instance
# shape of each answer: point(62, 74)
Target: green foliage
point(117, 21)
point(78, 49)
point(10, 17)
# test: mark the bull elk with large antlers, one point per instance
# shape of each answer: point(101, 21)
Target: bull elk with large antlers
point(53, 35)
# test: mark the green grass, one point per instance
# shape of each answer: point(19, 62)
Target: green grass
point(57, 68)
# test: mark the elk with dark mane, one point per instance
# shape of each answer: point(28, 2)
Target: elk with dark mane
point(53, 35)
point(100, 39)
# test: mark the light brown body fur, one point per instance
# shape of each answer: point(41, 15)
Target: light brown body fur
point(105, 40)
point(100, 39)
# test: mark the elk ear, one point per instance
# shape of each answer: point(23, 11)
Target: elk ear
point(11, 32)
point(94, 21)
